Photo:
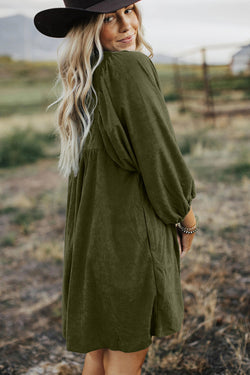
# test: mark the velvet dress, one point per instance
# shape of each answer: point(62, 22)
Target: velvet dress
point(121, 272)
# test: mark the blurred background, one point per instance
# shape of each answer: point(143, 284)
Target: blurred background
point(202, 55)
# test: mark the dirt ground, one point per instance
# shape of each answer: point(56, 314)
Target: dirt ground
point(214, 338)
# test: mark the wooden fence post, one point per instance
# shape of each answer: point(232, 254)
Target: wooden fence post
point(178, 84)
point(208, 89)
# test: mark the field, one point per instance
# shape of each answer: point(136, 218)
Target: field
point(214, 338)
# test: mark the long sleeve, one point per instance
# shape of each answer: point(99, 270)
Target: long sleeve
point(134, 90)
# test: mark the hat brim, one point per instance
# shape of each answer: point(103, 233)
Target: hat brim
point(57, 22)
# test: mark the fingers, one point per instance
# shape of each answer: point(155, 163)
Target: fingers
point(184, 241)
point(183, 253)
point(185, 250)
point(179, 243)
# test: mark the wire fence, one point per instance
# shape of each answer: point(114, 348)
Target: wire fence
point(208, 89)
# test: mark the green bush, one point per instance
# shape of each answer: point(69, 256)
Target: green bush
point(9, 239)
point(27, 216)
point(188, 141)
point(22, 147)
point(237, 171)
point(172, 97)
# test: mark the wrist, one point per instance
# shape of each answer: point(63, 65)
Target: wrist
point(188, 229)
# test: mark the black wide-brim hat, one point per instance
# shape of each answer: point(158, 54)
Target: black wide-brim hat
point(56, 22)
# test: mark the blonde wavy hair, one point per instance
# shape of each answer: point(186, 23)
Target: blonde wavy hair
point(78, 98)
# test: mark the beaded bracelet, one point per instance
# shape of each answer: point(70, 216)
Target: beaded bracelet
point(185, 230)
point(189, 230)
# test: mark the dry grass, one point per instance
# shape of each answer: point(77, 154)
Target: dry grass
point(214, 338)
point(215, 334)
point(42, 123)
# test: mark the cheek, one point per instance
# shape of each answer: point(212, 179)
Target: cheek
point(106, 34)
point(135, 22)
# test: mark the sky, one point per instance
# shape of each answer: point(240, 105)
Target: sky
point(174, 27)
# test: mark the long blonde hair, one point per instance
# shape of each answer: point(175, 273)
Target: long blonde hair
point(78, 98)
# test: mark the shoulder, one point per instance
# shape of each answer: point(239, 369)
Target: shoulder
point(130, 61)
point(117, 63)
point(128, 67)
point(132, 57)
point(126, 70)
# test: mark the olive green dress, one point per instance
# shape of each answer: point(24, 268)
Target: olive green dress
point(121, 277)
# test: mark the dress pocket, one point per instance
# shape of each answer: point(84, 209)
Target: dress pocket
point(176, 247)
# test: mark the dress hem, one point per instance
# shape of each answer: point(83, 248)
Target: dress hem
point(124, 349)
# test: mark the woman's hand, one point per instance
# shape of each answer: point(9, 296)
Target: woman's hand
point(185, 241)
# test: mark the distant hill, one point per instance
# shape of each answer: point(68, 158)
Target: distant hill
point(162, 59)
point(21, 40)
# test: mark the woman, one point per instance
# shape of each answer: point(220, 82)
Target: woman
point(128, 188)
